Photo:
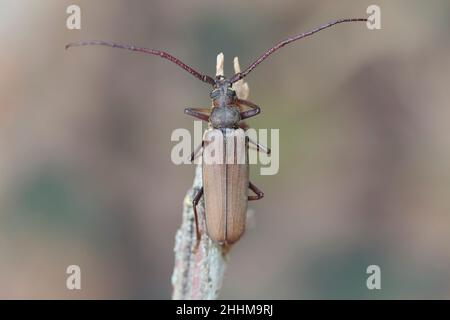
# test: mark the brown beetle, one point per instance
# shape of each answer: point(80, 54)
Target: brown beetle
point(225, 185)
point(226, 181)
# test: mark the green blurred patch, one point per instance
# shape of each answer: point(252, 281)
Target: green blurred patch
point(226, 32)
point(47, 198)
point(340, 273)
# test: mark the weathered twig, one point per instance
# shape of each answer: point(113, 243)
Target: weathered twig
point(198, 274)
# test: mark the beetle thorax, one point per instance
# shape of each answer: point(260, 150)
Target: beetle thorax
point(225, 117)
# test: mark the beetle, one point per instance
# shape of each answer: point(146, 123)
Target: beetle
point(226, 177)
point(225, 185)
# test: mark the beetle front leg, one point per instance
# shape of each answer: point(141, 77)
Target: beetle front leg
point(195, 153)
point(260, 147)
point(195, 202)
point(258, 192)
point(199, 113)
point(255, 110)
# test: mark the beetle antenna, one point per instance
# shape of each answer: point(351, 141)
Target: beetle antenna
point(162, 54)
point(240, 75)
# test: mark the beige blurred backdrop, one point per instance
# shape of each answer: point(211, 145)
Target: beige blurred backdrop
point(85, 170)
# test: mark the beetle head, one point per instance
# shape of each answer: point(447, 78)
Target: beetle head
point(222, 93)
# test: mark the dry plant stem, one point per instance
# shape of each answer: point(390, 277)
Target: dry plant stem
point(198, 272)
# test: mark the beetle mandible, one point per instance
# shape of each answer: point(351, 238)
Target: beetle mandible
point(225, 185)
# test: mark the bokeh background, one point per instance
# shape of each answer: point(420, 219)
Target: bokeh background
point(85, 170)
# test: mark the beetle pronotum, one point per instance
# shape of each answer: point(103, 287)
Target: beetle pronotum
point(225, 185)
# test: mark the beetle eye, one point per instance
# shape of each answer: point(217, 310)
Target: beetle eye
point(214, 94)
point(231, 92)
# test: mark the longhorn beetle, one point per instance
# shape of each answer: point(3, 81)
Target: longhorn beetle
point(225, 185)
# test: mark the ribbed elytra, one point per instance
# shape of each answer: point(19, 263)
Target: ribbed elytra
point(227, 188)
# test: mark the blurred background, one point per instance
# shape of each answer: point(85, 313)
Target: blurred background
point(85, 170)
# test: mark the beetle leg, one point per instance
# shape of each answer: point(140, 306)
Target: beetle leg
point(195, 153)
point(243, 125)
point(249, 113)
point(259, 193)
point(195, 202)
point(199, 113)
point(260, 147)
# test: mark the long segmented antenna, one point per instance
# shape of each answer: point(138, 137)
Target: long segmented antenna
point(240, 75)
point(162, 54)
